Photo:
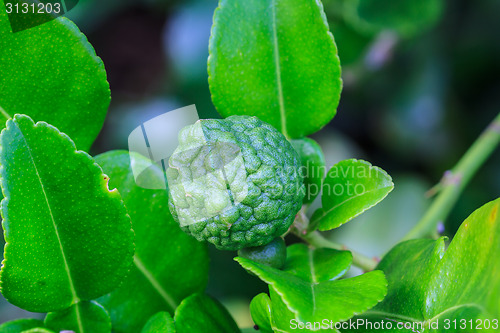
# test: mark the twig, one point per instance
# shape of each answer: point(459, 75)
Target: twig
point(455, 180)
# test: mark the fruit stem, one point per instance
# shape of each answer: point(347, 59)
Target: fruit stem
point(316, 239)
point(455, 180)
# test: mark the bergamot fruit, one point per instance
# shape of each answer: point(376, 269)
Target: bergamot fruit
point(234, 182)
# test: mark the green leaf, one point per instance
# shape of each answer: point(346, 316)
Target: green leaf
point(309, 287)
point(350, 187)
point(160, 322)
point(68, 237)
point(20, 325)
point(168, 265)
point(284, 320)
point(313, 166)
point(51, 73)
point(469, 271)
point(427, 287)
point(261, 311)
point(201, 313)
point(317, 265)
point(81, 317)
point(272, 315)
point(38, 330)
point(275, 60)
point(407, 18)
point(406, 266)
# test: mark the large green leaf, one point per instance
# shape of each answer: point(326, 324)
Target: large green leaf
point(277, 60)
point(405, 17)
point(82, 317)
point(469, 272)
point(160, 322)
point(19, 325)
point(408, 264)
point(431, 289)
point(201, 313)
point(350, 187)
point(168, 265)
point(52, 73)
point(309, 287)
point(68, 237)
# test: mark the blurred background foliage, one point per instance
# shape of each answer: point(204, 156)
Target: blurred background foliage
point(421, 81)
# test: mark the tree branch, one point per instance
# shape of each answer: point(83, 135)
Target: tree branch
point(455, 180)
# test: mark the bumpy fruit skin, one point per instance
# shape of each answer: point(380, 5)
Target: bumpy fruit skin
point(265, 190)
point(272, 254)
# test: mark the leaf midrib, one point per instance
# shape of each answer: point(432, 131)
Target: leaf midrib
point(66, 265)
point(313, 278)
point(326, 212)
point(4, 113)
point(277, 64)
point(138, 263)
point(154, 283)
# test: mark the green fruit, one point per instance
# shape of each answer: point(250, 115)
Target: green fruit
point(272, 254)
point(234, 182)
point(313, 166)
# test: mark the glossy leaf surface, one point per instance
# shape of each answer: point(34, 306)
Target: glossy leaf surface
point(469, 271)
point(38, 330)
point(51, 73)
point(408, 264)
point(68, 237)
point(168, 265)
point(160, 322)
point(201, 313)
point(279, 318)
point(83, 317)
point(309, 287)
point(275, 60)
point(19, 325)
point(261, 310)
point(350, 187)
point(431, 288)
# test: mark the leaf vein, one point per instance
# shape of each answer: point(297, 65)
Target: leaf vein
point(278, 70)
point(66, 265)
point(154, 283)
point(79, 318)
point(326, 212)
point(4, 113)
